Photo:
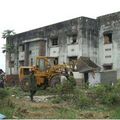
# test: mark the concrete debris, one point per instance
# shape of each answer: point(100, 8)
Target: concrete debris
point(41, 98)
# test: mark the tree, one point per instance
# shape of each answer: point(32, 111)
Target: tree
point(9, 46)
point(7, 33)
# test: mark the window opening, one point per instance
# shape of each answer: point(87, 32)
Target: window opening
point(74, 39)
point(107, 67)
point(54, 41)
point(108, 38)
point(56, 61)
point(31, 61)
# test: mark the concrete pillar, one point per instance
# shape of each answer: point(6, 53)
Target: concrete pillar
point(26, 63)
point(42, 51)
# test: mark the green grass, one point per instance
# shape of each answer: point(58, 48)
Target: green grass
point(67, 113)
point(7, 111)
point(58, 107)
point(115, 113)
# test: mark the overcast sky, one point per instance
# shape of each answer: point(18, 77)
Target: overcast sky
point(23, 15)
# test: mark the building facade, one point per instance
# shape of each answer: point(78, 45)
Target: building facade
point(98, 39)
point(109, 42)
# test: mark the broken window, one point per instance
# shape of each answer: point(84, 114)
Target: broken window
point(74, 39)
point(54, 41)
point(107, 67)
point(107, 38)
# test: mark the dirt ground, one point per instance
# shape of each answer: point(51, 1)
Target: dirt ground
point(42, 108)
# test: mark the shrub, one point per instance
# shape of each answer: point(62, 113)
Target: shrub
point(72, 81)
point(3, 93)
point(80, 99)
point(57, 100)
point(106, 94)
point(110, 98)
point(64, 91)
point(66, 87)
point(5, 100)
point(117, 87)
point(98, 90)
point(116, 113)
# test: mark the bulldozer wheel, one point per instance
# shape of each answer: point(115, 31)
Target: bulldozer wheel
point(55, 80)
point(25, 84)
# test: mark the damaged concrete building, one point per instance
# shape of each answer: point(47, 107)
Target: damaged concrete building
point(98, 39)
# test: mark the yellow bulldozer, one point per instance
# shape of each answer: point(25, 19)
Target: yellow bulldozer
point(47, 73)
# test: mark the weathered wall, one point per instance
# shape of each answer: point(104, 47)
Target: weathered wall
point(104, 77)
point(89, 36)
point(110, 23)
point(108, 77)
point(83, 29)
point(32, 48)
point(87, 39)
point(89, 42)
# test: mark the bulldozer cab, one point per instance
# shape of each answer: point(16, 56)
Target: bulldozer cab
point(44, 63)
point(24, 71)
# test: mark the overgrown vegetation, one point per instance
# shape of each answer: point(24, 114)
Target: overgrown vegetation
point(6, 104)
point(68, 101)
point(3, 94)
point(92, 97)
point(106, 94)
point(102, 94)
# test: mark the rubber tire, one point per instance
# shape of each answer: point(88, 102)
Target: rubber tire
point(54, 81)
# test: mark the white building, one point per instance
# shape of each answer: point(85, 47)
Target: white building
point(98, 39)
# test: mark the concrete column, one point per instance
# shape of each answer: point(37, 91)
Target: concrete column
point(26, 61)
point(42, 51)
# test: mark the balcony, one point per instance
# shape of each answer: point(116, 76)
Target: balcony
point(73, 50)
point(54, 51)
